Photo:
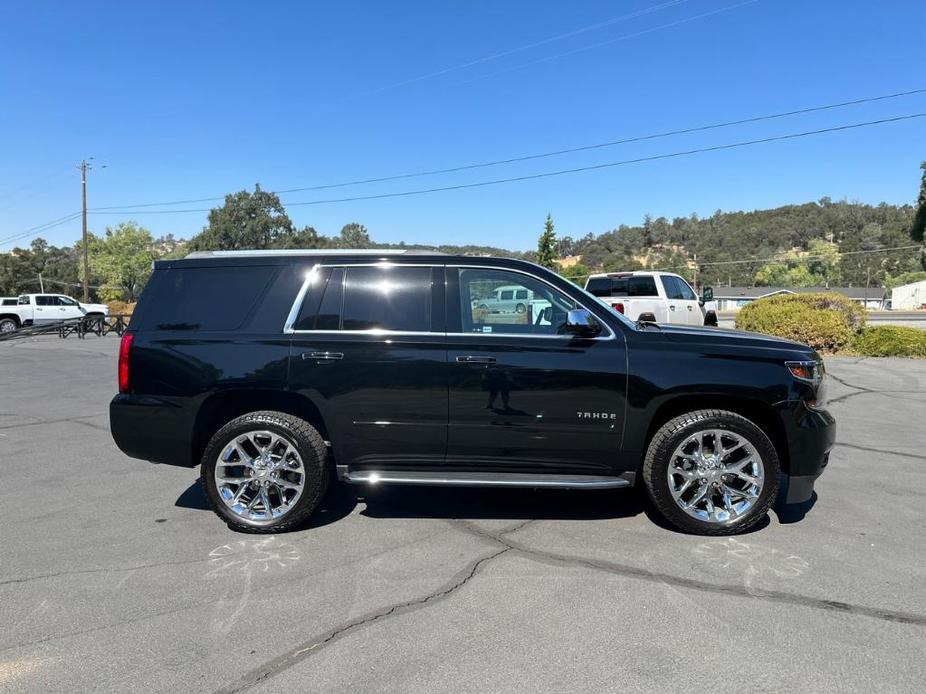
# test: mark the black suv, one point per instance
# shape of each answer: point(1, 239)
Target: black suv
point(276, 370)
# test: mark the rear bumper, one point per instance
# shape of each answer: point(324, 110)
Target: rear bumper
point(810, 434)
point(151, 429)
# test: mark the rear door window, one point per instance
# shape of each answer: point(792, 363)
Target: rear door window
point(203, 298)
point(394, 298)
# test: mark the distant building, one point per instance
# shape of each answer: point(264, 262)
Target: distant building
point(909, 296)
point(734, 298)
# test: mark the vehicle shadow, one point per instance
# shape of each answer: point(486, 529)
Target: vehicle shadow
point(792, 513)
point(475, 503)
point(339, 502)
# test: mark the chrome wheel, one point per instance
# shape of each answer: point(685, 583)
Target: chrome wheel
point(7, 325)
point(259, 476)
point(716, 476)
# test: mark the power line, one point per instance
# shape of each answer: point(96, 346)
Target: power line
point(561, 172)
point(40, 228)
point(553, 153)
point(520, 49)
point(609, 41)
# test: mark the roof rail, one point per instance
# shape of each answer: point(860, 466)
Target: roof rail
point(310, 251)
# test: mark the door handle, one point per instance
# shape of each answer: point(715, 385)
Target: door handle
point(323, 356)
point(672, 307)
point(476, 360)
point(689, 307)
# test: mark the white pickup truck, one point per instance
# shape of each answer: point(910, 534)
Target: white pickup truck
point(36, 309)
point(659, 297)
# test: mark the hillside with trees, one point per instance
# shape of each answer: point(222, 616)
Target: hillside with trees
point(823, 243)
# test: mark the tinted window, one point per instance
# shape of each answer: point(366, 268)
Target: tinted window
point(622, 286)
point(321, 306)
point(10, 302)
point(673, 291)
point(685, 289)
point(44, 301)
point(65, 301)
point(544, 314)
point(208, 298)
point(387, 298)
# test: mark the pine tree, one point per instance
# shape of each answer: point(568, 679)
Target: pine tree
point(546, 245)
point(919, 222)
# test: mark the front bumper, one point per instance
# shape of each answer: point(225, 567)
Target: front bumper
point(810, 435)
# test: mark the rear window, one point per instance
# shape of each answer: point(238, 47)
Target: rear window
point(622, 286)
point(202, 298)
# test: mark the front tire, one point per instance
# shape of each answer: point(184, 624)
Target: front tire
point(711, 472)
point(265, 472)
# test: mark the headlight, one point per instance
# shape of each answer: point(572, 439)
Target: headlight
point(814, 374)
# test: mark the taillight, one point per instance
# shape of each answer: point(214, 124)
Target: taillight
point(125, 348)
point(619, 307)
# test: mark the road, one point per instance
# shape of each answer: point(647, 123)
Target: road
point(114, 577)
point(910, 319)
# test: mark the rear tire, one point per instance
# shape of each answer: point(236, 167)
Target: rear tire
point(713, 488)
point(265, 458)
point(8, 325)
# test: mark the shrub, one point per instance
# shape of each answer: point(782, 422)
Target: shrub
point(890, 341)
point(826, 321)
point(120, 307)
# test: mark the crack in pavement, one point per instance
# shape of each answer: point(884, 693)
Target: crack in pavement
point(74, 420)
point(274, 667)
point(695, 584)
point(880, 450)
point(104, 570)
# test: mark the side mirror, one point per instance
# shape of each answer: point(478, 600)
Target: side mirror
point(581, 323)
point(707, 294)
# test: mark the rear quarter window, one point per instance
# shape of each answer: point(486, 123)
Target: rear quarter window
point(202, 298)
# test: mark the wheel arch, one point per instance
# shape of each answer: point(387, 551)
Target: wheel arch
point(220, 408)
point(14, 316)
point(760, 413)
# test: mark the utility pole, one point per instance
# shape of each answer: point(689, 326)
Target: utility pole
point(696, 273)
point(83, 207)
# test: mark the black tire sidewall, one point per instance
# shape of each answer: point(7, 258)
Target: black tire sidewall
point(311, 448)
point(671, 434)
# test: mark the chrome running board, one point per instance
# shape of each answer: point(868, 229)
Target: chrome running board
point(485, 479)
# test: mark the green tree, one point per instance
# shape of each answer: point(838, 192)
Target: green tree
point(122, 259)
point(919, 221)
point(246, 220)
point(354, 235)
point(546, 245)
point(306, 237)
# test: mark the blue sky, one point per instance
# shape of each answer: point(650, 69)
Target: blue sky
point(197, 99)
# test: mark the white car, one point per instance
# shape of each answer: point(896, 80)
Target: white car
point(506, 299)
point(38, 309)
point(659, 297)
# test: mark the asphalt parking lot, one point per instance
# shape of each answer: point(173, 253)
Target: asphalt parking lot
point(114, 577)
